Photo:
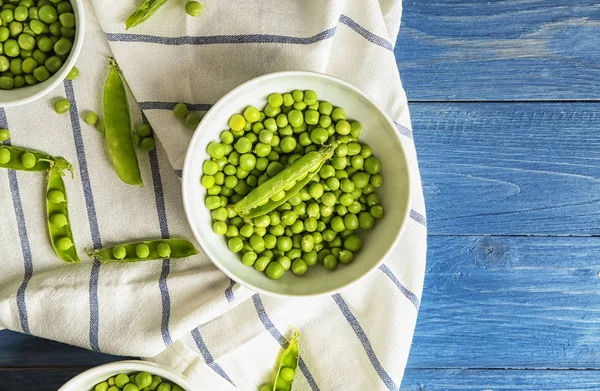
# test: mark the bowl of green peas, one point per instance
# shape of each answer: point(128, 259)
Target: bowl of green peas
point(296, 184)
point(40, 41)
point(128, 376)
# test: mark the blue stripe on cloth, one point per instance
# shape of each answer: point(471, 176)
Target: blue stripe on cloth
point(91, 212)
point(369, 36)
point(229, 291)
point(164, 231)
point(221, 39)
point(23, 237)
point(419, 218)
point(408, 294)
point(403, 130)
point(207, 356)
point(155, 105)
point(387, 380)
point(268, 324)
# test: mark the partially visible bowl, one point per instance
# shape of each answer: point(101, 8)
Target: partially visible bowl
point(88, 379)
point(379, 132)
point(23, 95)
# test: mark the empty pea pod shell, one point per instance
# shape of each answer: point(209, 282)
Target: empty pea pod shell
point(178, 248)
point(289, 362)
point(143, 12)
point(59, 226)
point(43, 161)
point(117, 126)
point(265, 198)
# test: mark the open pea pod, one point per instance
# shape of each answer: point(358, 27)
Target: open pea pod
point(59, 226)
point(284, 185)
point(146, 9)
point(288, 365)
point(146, 250)
point(24, 159)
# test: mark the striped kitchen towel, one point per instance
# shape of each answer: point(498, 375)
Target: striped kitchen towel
point(188, 314)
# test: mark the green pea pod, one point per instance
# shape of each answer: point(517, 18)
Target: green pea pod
point(261, 200)
point(143, 12)
point(288, 365)
point(59, 226)
point(117, 125)
point(155, 249)
point(43, 161)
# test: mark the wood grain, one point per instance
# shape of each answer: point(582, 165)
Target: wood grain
point(510, 302)
point(502, 50)
point(46, 379)
point(20, 350)
point(510, 168)
point(498, 380)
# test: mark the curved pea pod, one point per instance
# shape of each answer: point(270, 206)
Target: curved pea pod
point(143, 12)
point(288, 365)
point(117, 126)
point(43, 161)
point(59, 226)
point(177, 248)
point(264, 198)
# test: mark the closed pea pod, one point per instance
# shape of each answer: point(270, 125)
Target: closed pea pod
point(146, 250)
point(143, 12)
point(117, 125)
point(59, 227)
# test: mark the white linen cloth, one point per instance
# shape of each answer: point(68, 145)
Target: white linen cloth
point(187, 314)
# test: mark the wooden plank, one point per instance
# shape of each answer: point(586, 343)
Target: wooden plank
point(20, 350)
point(42, 379)
point(503, 50)
point(510, 302)
point(511, 380)
point(510, 168)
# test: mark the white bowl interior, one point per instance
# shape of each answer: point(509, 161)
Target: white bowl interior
point(23, 95)
point(379, 132)
point(88, 379)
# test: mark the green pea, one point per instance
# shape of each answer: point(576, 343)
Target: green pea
point(330, 262)
point(210, 167)
point(142, 250)
point(346, 199)
point(4, 155)
point(284, 243)
point(338, 114)
point(12, 48)
point(101, 386)
point(7, 16)
point(288, 99)
point(4, 135)
point(193, 8)
point(121, 379)
point(360, 179)
point(372, 165)
point(41, 73)
point(377, 211)
point(376, 180)
point(219, 214)
point(235, 244)
point(119, 252)
point(271, 111)
point(275, 271)
point(262, 263)
point(249, 258)
point(164, 250)
point(275, 100)
point(297, 227)
point(164, 387)
point(131, 387)
point(326, 211)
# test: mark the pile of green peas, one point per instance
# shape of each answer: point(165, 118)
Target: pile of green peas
point(321, 223)
point(142, 381)
point(36, 38)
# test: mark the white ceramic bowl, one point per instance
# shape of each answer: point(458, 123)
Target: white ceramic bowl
point(379, 132)
point(23, 95)
point(88, 379)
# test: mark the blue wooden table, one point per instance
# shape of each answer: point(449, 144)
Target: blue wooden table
point(505, 102)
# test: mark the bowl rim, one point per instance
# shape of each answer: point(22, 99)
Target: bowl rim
point(65, 68)
point(188, 161)
point(130, 366)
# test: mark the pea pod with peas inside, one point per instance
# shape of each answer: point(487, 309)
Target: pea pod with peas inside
point(146, 9)
point(59, 226)
point(117, 126)
point(287, 367)
point(23, 159)
point(146, 251)
point(284, 185)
